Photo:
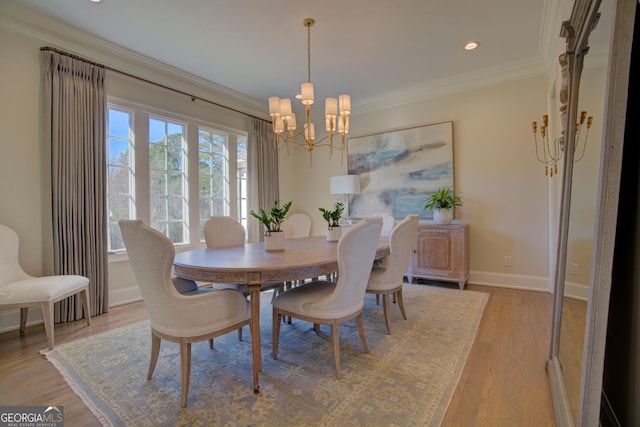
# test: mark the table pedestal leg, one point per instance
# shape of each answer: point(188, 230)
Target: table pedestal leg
point(254, 294)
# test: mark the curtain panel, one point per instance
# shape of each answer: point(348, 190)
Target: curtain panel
point(262, 160)
point(75, 116)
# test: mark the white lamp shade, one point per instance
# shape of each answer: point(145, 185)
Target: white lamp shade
point(344, 184)
point(306, 91)
point(274, 106)
point(285, 108)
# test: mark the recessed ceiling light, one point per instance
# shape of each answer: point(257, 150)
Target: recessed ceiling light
point(95, 1)
point(471, 45)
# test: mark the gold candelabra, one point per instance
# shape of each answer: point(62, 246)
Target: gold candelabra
point(549, 151)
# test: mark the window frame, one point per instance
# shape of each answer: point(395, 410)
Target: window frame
point(141, 185)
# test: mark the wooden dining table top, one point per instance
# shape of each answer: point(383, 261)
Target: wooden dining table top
point(252, 264)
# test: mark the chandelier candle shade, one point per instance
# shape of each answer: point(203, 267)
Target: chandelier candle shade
point(336, 112)
point(549, 152)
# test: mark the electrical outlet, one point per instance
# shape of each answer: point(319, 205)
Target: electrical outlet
point(507, 261)
point(574, 268)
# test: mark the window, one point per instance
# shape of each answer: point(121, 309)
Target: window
point(168, 179)
point(242, 181)
point(214, 182)
point(120, 184)
point(172, 172)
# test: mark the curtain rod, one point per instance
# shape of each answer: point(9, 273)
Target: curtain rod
point(193, 97)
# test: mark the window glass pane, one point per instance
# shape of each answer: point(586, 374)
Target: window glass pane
point(175, 206)
point(156, 131)
point(118, 180)
point(158, 209)
point(120, 174)
point(157, 156)
point(158, 182)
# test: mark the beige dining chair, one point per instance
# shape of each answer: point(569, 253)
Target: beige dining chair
point(386, 279)
point(224, 231)
point(20, 290)
point(180, 318)
point(388, 222)
point(322, 302)
point(300, 224)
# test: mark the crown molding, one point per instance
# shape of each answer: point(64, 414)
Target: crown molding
point(27, 23)
point(491, 76)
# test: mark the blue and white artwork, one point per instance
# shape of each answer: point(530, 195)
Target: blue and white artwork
point(398, 169)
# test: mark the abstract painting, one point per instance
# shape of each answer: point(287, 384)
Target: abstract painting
point(399, 168)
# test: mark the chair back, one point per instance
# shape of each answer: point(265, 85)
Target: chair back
point(10, 270)
point(151, 254)
point(401, 241)
point(300, 225)
point(222, 231)
point(356, 251)
point(388, 222)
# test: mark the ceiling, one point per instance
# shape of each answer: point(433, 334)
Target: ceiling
point(366, 48)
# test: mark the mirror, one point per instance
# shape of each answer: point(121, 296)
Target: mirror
point(588, 208)
point(584, 200)
point(578, 207)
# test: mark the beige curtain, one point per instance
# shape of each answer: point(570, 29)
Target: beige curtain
point(75, 108)
point(262, 160)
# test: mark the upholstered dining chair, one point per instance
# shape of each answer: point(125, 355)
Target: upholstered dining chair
point(224, 231)
point(20, 290)
point(322, 302)
point(300, 225)
point(180, 318)
point(388, 222)
point(386, 278)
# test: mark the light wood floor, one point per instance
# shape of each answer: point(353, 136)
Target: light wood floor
point(504, 382)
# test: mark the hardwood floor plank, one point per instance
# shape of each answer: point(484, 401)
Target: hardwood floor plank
point(504, 382)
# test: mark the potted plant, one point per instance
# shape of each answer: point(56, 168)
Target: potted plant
point(333, 221)
point(273, 236)
point(442, 203)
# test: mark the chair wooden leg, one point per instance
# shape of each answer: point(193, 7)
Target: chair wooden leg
point(211, 343)
point(155, 352)
point(363, 339)
point(387, 311)
point(24, 313)
point(185, 362)
point(275, 339)
point(84, 296)
point(335, 341)
point(239, 334)
point(377, 299)
point(401, 304)
point(47, 317)
point(316, 328)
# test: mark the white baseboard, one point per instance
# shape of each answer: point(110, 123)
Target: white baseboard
point(124, 296)
point(513, 281)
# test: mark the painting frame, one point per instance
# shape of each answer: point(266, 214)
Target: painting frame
point(398, 168)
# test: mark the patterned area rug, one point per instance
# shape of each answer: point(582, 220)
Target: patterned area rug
point(407, 379)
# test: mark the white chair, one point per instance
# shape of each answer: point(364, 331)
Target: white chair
point(224, 231)
point(183, 319)
point(322, 302)
point(388, 222)
point(386, 279)
point(20, 290)
point(300, 225)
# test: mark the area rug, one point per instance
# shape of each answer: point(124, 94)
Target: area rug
point(407, 379)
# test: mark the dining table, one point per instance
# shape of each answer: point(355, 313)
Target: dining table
point(251, 264)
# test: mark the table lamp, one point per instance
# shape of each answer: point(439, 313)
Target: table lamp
point(345, 185)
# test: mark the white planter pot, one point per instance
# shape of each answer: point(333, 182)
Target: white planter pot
point(442, 216)
point(334, 233)
point(274, 242)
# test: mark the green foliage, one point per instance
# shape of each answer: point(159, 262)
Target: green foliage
point(444, 198)
point(273, 219)
point(333, 217)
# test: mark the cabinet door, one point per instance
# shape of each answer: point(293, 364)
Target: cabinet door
point(434, 253)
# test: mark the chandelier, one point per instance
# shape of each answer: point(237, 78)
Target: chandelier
point(549, 151)
point(284, 120)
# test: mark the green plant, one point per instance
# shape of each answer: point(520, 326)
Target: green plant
point(444, 198)
point(273, 219)
point(333, 217)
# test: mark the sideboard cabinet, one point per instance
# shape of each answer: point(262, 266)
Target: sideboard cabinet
point(441, 252)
